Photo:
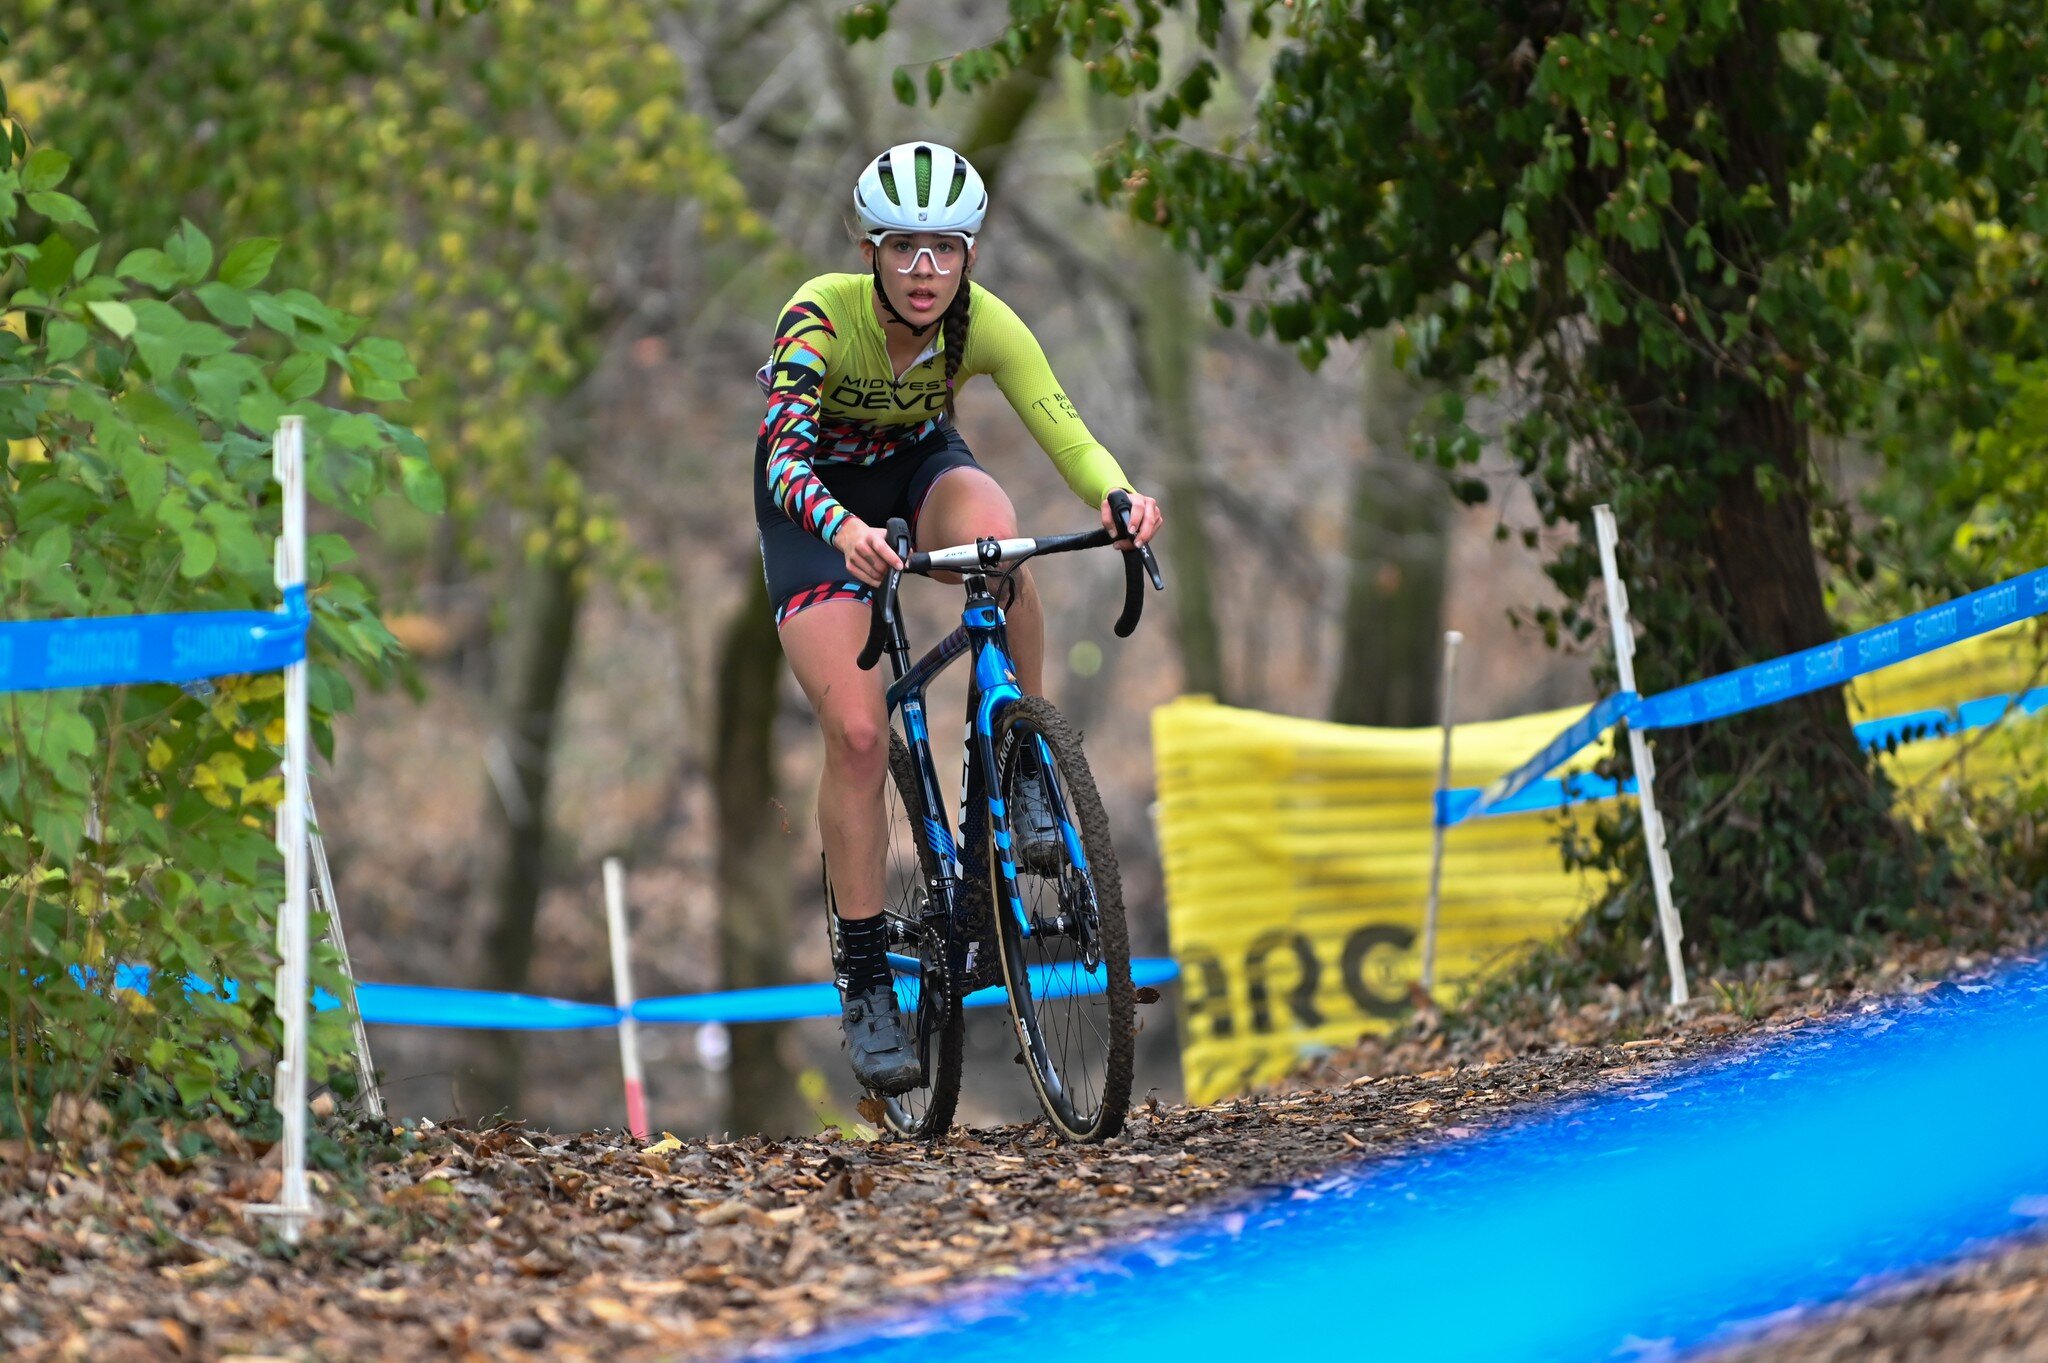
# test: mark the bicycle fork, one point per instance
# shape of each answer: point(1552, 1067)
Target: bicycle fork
point(995, 688)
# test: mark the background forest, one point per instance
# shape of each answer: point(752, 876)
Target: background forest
point(1379, 298)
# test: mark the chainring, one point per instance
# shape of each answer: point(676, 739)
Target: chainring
point(935, 982)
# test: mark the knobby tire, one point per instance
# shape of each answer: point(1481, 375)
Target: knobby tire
point(1084, 1097)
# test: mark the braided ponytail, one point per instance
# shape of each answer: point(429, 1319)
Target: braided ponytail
point(955, 324)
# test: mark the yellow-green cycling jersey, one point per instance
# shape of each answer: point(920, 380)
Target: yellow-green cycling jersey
point(833, 397)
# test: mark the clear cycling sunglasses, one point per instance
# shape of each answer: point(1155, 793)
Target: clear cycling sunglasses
point(966, 241)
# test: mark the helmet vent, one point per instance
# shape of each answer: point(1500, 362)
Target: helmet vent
point(920, 186)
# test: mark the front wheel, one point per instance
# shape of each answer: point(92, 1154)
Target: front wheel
point(1066, 952)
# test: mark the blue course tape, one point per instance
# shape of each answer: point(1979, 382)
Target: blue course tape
point(1454, 806)
point(1796, 674)
point(781, 1003)
point(790, 1002)
point(1899, 730)
point(138, 977)
point(1587, 728)
point(1878, 735)
point(1750, 688)
point(410, 1005)
point(1651, 1221)
point(41, 655)
point(418, 1005)
point(1146, 972)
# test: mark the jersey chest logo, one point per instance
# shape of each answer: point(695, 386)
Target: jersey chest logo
point(884, 395)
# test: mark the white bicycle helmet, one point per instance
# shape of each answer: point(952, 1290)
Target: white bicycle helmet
point(920, 187)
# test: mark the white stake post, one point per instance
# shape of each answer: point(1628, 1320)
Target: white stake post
point(1446, 701)
point(622, 991)
point(294, 1207)
point(1639, 753)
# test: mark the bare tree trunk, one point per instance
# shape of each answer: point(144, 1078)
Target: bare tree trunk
point(754, 889)
point(521, 766)
point(1802, 832)
point(1397, 545)
point(1170, 327)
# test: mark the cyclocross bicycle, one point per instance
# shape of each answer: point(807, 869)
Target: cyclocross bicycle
point(1056, 916)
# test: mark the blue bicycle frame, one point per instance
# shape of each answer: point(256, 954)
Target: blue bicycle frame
point(992, 687)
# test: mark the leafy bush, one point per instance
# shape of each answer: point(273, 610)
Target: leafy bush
point(137, 399)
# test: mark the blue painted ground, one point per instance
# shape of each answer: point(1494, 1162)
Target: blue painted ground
point(1643, 1223)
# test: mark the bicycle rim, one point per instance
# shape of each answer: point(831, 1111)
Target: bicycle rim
point(1069, 981)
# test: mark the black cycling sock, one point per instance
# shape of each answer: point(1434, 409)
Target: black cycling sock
point(864, 953)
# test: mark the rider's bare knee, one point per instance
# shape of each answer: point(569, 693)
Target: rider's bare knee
point(857, 745)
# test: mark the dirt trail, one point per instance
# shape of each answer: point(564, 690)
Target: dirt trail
point(1993, 1307)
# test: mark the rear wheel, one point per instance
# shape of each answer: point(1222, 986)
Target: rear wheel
point(917, 946)
point(1069, 979)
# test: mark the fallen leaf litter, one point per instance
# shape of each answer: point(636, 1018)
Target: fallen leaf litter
point(510, 1243)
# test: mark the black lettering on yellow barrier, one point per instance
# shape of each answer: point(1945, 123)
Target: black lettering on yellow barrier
point(1301, 1000)
point(1205, 996)
point(1211, 1007)
point(1357, 947)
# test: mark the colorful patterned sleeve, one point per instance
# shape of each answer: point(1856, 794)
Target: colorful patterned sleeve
point(794, 377)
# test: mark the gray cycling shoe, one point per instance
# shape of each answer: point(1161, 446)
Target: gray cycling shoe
point(1037, 829)
point(882, 1057)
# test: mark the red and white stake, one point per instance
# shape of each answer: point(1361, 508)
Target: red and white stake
point(622, 992)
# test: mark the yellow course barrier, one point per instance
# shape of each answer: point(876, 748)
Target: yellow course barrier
point(1297, 857)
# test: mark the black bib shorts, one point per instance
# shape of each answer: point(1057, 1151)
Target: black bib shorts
point(804, 571)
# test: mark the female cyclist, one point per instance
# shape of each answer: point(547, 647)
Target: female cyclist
point(859, 428)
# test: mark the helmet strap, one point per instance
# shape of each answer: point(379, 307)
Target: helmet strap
point(913, 328)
